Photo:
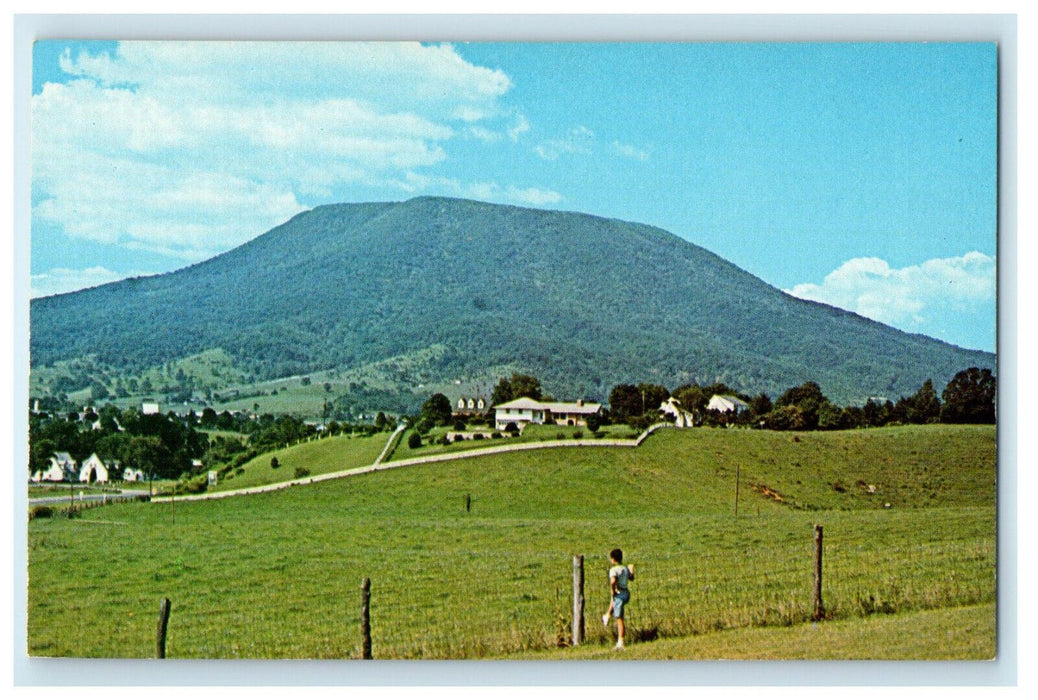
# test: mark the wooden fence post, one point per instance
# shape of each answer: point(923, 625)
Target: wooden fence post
point(819, 610)
point(578, 600)
point(160, 639)
point(737, 490)
point(365, 617)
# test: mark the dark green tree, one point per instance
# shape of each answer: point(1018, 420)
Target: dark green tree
point(516, 387)
point(830, 417)
point(437, 410)
point(924, 406)
point(525, 385)
point(808, 398)
point(625, 401)
point(650, 398)
point(502, 392)
point(761, 404)
point(693, 398)
point(970, 397)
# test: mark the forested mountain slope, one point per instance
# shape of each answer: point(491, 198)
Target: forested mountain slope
point(580, 301)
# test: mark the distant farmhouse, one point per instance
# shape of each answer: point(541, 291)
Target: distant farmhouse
point(672, 408)
point(95, 471)
point(149, 409)
point(526, 410)
point(470, 406)
point(727, 404)
point(131, 474)
point(61, 465)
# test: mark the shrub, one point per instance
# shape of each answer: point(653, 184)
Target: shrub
point(301, 472)
point(496, 435)
point(274, 463)
point(414, 440)
point(199, 485)
point(477, 436)
point(577, 434)
point(512, 428)
point(41, 512)
point(560, 436)
point(446, 439)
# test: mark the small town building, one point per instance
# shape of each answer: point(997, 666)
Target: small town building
point(131, 474)
point(61, 467)
point(149, 409)
point(93, 471)
point(671, 408)
point(470, 405)
point(62, 461)
point(727, 404)
point(526, 410)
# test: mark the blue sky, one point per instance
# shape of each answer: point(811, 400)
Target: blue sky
point(861, 175)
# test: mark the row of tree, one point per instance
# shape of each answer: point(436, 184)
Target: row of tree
point(968, 398)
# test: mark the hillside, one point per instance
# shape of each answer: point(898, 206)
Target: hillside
point(580, 301)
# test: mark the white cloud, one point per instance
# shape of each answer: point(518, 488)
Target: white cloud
point(189, 148)
point(534, 196)
point(582, 141)
point(628, 151)
point(909, 297)
point(487, 191)
point(61, 280)
point(579, 141)
point(483, 134)
point(521, 126)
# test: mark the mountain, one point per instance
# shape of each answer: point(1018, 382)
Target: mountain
point(580, 301)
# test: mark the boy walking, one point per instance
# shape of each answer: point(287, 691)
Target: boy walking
point(619, 576)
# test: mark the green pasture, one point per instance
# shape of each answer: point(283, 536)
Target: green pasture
point(962, 633)
point(319, 456)
point(278, 575)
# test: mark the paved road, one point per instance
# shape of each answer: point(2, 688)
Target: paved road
point(85, 497)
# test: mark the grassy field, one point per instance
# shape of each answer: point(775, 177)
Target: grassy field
point(317, 457)
point(278, 575)
point(966, 633)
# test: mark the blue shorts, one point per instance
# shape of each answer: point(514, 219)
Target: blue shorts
point(619, 601)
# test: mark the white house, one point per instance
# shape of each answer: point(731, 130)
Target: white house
point(727, 404)
point(149, 409)
point(131, 474)
point(61, 465)
point(672, 408)
point(93, 470)
point(470, 404)
point(526, 410)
